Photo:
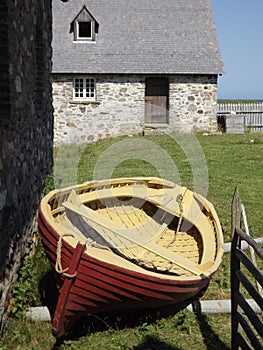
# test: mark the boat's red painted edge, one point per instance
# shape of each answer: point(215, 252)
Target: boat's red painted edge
point(48, 230)
point(100, 286)
point(58, 326)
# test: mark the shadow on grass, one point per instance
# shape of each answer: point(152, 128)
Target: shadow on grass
point(153, 343)
point(116, 321)
point(210, 338)
point(48, 291)
point(121, 320)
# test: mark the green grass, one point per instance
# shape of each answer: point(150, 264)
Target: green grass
point(231, 160)
point(180, 332)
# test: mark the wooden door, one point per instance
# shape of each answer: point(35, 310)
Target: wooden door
point(156, 100)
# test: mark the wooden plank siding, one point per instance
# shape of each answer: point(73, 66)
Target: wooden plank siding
point(156, 100)
point(253, 113)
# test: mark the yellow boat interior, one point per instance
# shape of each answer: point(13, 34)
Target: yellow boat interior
point(153, 224)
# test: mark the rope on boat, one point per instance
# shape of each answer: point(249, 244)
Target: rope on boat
point(101, 226)
point(91, 243)
point(58, 265)
point(151, 262)
point(179, 200)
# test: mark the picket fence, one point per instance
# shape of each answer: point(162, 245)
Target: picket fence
point(253, 113)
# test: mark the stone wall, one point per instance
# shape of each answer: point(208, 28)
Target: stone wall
point(193, 103)
point(26, 130)
point(120, 103)
point(118, 110)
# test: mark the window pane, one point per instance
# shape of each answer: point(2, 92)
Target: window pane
point(85, 30)
point(78, 87)
point(90, 87)
point(84, 88)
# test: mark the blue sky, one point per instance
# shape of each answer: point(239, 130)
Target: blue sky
point(239, 26)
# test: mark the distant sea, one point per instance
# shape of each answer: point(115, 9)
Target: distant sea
point(225, 100)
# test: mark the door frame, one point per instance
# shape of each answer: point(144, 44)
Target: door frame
point(157, 100)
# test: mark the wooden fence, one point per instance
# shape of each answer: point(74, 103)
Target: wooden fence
point(253, 113)
point(247, 326)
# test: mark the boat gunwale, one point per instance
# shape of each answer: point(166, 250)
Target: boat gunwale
point(82, 187)
point(142, 275)
point(136, 277)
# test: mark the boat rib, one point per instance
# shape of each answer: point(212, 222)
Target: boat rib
point(117, 236)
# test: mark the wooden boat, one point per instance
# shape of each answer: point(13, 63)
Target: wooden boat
point(127, 243)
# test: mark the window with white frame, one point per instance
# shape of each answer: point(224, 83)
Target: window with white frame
point(84, 27)
point(84, 89)
point(84, 30)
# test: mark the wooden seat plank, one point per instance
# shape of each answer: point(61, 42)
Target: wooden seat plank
point(104, 225)
point(167, 201)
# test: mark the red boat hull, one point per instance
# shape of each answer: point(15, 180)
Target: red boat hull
point(94, 286)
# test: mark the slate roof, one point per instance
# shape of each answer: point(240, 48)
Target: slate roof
point(138, 36)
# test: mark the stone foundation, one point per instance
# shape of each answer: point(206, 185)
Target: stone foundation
point(120, 103)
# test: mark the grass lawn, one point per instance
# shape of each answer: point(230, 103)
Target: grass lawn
point(213, 165)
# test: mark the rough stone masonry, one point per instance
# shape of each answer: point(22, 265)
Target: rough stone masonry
point(26, 131)
point(120, 104)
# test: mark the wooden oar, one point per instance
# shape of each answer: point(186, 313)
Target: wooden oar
point(173, 257)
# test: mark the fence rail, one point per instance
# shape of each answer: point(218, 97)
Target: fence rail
point(247, 326)
point(240, 107)
point(253, 113)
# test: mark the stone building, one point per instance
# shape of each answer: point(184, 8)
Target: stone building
point(127, 67)
point(26, 130)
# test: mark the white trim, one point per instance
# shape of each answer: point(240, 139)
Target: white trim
point(86, 89)
point(84, 41)
point(87, 38)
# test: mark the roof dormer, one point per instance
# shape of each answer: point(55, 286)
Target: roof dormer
point(84, 26)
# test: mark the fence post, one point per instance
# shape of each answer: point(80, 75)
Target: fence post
point(235, 266)
point(236, 211)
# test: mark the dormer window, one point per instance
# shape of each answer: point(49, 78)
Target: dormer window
point(84, 26)
point(85, 30)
